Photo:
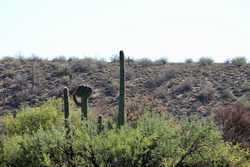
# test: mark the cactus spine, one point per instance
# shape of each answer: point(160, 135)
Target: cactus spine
point(121, 113)
point(66, 106)
point(83, 92)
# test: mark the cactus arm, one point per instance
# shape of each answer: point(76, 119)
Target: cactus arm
point(121, 113)
point(83, 92)
point(75, 100)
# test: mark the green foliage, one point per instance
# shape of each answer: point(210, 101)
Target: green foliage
point(239, 61)
point(206, 94)
point(205, 61)
point(189, 60)
point(152, 141)
point(31, 119)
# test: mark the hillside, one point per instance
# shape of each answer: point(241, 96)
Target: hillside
point(200, 87)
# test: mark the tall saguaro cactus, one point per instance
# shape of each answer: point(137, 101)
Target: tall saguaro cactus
point(66, 106)
point(83, 92)
point(121, 113)
point(69, 149)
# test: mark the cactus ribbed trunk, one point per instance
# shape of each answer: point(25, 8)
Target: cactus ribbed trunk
point(99, 124)
point(66, 106)
point(121, 113)
point(85, 106)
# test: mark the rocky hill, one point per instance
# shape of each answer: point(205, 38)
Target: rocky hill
point(189, 87)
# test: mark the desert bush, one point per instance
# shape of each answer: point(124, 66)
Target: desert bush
point(168, 73)
point(112, 87)
point(227, 92)
point(189, 60)
point(114, 58)
point(206, 94)
point(205, 61)
point(138, 105)
point(62, 69)
point(29, 120)
point(152, 141)
point(160, 92)
point(187, 85)
point(85, 65)
point(60, 59)
point(246, 86)
point(35, 58)
point(239, 61)
point(163, 60)
point(234, 122)
point(9, 73)
point(244, 101)
point(65, 80)
point(145, 62)
point(7, 59)
point(101, 63)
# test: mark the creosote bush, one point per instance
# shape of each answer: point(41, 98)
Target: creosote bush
point(152, 141)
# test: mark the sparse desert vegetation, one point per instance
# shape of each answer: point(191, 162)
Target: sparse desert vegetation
point(177, 114)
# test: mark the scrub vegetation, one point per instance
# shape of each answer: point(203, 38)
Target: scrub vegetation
point(172, 114)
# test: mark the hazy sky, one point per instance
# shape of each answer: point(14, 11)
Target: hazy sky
point(177, 29)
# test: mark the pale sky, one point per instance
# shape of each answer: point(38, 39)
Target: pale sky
point(177, 29)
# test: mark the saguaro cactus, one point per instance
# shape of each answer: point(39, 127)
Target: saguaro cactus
point(99, 124)
point(32, 76)
point(4, 96)
point(121, 113)
point(69, 149)
point(83, 92)
point(66, 106)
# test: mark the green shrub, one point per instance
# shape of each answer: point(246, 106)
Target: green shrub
point(239, 61)
point(206, 94)
point(152, 141)
point(163, 60)
point(189, 60)
point(187, 85)
point(205, 61)
point(29, 120)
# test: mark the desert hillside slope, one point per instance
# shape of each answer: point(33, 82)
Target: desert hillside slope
point(188, 87)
